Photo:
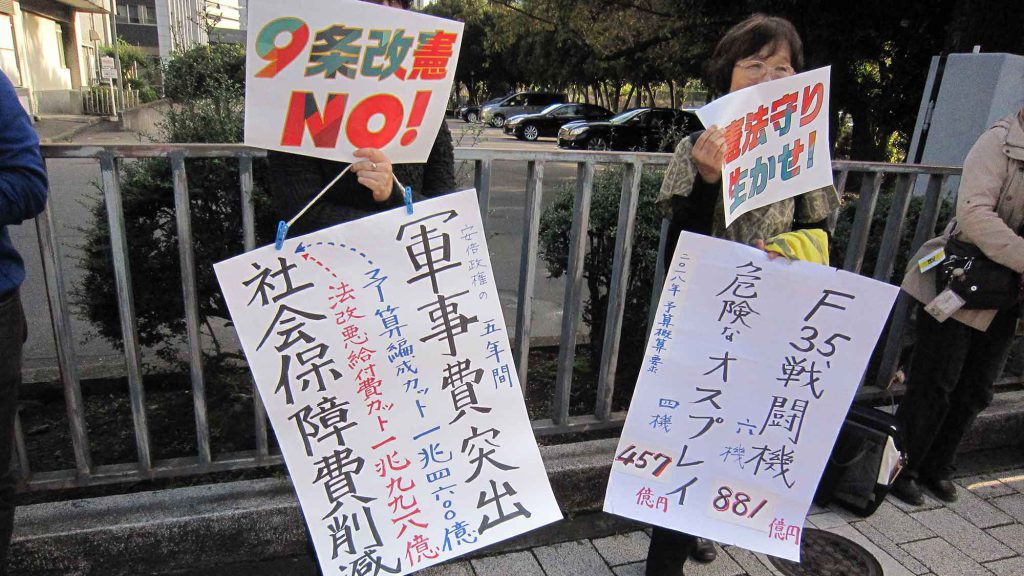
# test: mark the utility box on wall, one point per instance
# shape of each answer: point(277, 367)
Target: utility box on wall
point(963, 96)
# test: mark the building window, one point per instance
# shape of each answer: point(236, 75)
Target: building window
point(135, 14)
point(8, 54)
point(60, 47)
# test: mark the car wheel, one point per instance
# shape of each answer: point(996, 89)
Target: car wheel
point(472, 117)
point(597, 143)
point(498, 121)
point(530, 132)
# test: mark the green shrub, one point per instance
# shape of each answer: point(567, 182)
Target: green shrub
point(205, 71)
point(214, 115)
point(844, 228)
point(555, 229)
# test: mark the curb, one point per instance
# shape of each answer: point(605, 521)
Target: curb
point(81, 123)
point(216, 525)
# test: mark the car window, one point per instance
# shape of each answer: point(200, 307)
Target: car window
point(591, 110)
point(563, 110)
point(627, 116)
point(550, 109)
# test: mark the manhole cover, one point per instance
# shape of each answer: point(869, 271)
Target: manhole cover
point(826, 554)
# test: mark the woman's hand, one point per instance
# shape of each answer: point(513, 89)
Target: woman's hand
point(759, 244)
point(709, 154)
point(374, 172)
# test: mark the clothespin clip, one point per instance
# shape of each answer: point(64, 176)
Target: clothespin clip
point(408, 200)
point(282, 233)
point(282, 226)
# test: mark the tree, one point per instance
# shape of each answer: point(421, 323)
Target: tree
point(206, 87)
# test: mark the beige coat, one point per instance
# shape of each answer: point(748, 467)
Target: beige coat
point(989, 211)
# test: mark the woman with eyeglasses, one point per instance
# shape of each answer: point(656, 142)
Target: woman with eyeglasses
point(759, 49)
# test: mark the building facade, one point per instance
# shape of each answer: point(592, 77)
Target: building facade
point(48, 48)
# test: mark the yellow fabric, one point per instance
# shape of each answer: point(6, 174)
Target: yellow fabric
point(810, 245)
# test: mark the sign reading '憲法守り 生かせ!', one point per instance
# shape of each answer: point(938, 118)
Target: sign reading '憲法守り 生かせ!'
point(776, 136)
point(327, 77)
point(379, 349)
point(750, 368)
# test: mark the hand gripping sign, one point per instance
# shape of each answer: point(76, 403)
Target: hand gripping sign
point(776, 137)
point(327, 77)
point(750, 368)
point(380, 352)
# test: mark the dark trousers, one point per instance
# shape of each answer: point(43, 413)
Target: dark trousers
point(12, 337)
point(668, 552)
point(951, 376)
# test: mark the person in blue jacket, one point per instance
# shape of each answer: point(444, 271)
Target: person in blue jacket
point(22, 195)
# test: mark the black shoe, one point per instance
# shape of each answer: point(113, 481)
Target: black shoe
point(907, 489)
point(943, 488)
point(704, 551)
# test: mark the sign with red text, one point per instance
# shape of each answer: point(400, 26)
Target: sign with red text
point(776, 136)
point(380, 352)
point(749, 371)
point(327, 77)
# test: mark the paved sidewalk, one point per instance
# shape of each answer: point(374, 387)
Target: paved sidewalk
point(63, 128)
point(981, 534)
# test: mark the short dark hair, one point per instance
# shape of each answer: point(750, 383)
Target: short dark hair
point(746, 39)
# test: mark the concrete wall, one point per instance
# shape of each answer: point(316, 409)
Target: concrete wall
point(44, 65)
point(146, 118)
point(58, 101)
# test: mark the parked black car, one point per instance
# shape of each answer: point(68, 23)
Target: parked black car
point(471, 112)
point(546, 123)
point(646, 129)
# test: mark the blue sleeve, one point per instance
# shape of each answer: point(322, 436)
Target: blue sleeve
point(22, 171)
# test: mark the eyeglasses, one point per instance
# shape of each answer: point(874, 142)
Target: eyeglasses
point(756, 69)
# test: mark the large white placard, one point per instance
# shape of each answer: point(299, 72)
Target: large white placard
point(749, 371)
point(777, 142)
point(327, 77)
point(380, 351)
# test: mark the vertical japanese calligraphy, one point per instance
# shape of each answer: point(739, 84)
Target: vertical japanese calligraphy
point(750, 367)
point(326, 77)
point(379, 349)
point(776, 136)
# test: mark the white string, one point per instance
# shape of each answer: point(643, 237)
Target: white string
point(318, 196)
point(328, 187)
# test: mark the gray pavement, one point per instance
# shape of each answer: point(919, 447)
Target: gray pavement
point(982, 533)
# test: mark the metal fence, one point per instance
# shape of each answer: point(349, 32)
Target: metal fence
point(85, 473)
point(98, 100)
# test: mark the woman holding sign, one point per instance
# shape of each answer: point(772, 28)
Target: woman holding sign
point(964, 328)
point(369, 186)
point(759, 49)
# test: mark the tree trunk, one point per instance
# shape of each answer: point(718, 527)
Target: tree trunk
point(629, 96)
point(671, 93)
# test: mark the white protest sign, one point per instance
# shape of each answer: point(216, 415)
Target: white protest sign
point(379, 349)
point(748, 374)
point(327, 77)
point(777, 142)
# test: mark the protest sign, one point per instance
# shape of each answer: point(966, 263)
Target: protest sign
point(749, 371)
point(379, 349)
point(327, 77)
point(776, 137)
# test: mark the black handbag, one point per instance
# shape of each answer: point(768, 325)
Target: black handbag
point(982, 283)
point(864, 462)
